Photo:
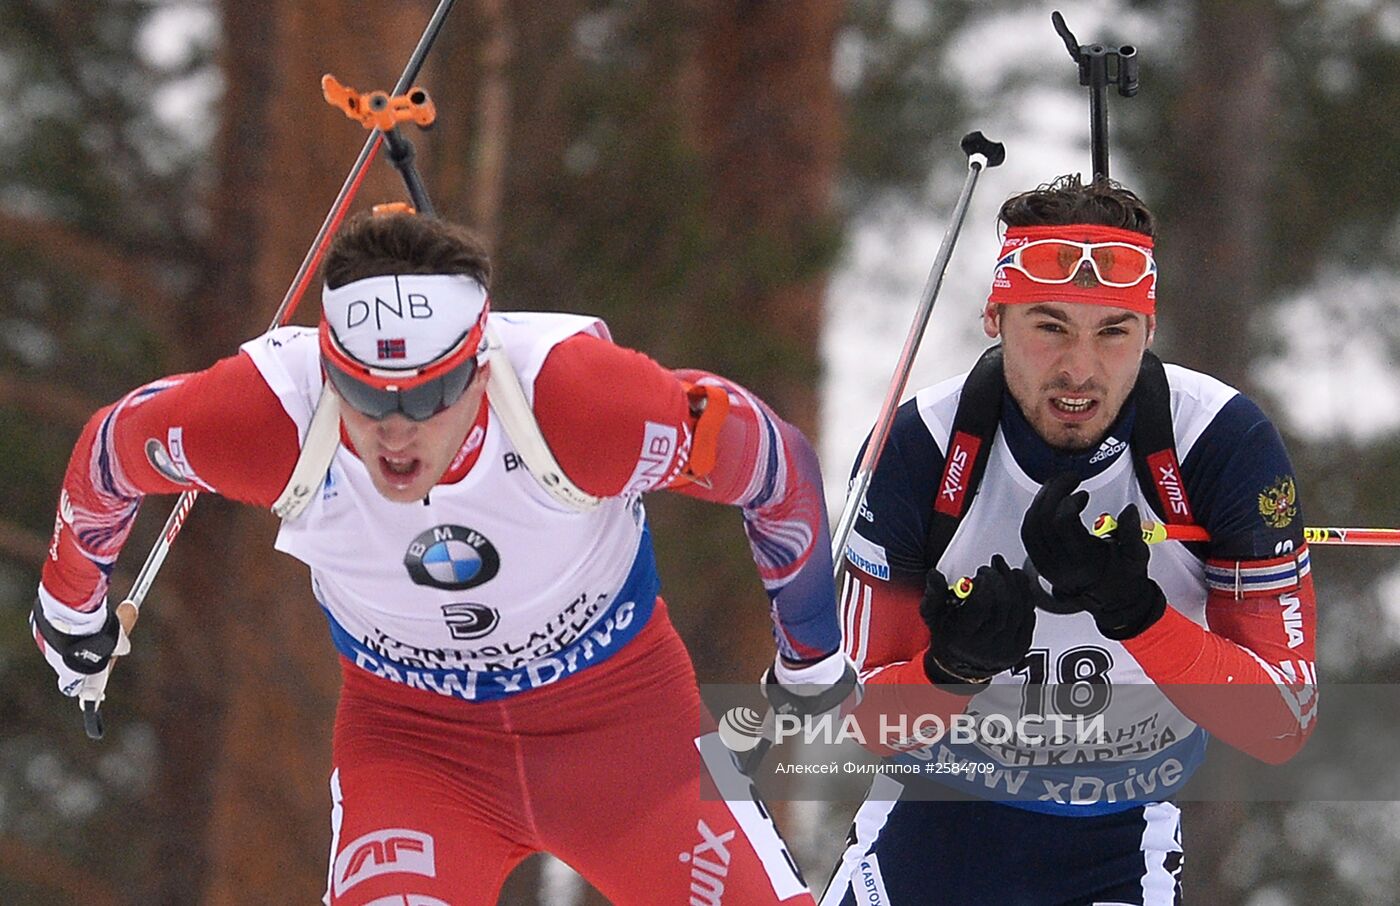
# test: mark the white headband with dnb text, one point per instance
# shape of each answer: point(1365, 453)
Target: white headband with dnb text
point(402, 321)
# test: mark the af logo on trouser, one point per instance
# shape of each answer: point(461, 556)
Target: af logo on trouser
point(436, 800)
point(396, 850)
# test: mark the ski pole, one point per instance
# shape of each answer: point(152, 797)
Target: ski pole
point(1157, 532)
point(93, 689)
point(982, 153)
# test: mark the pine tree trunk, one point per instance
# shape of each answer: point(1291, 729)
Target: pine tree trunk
point(1223, 125)
point(1212, 261)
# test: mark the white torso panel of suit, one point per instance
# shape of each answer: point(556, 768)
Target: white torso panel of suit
point(1138, 720)
point(491, 587)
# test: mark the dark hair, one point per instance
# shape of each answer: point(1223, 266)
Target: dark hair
point(1067, 200)
point(373, 245)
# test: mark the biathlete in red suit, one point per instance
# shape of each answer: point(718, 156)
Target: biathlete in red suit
point(512, 683)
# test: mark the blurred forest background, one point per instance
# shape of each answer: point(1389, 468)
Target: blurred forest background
point(719, 179)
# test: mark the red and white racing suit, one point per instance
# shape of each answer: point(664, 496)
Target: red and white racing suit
point(512, 683)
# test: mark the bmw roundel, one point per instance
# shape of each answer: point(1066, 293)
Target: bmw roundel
point(451, 557)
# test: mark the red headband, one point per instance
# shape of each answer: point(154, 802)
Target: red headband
point(1011, 287)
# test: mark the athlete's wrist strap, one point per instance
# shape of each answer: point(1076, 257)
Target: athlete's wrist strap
point(824, 672)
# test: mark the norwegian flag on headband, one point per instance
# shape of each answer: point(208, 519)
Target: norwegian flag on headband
point(392, 349)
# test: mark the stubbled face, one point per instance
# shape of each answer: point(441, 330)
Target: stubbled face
point(406, 458)
point(1070, 365)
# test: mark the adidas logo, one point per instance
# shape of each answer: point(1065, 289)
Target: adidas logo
point(1110, 448)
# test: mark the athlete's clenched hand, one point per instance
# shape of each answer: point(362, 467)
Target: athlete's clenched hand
point(977, 633)
point(1106, 577)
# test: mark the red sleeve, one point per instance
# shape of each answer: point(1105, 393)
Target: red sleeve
point(616, 421)
point(1251, 679)
point(619, 423)
point(886, 639)
point(220, 430)
point(881, 627)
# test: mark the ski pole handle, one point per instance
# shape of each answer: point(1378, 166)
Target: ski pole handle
point(1157, 532)
point(94, 688)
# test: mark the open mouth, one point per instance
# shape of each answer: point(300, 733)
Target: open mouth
point(400, 471)
point(1073, 408)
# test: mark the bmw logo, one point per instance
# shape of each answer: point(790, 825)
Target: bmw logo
point(451, 557)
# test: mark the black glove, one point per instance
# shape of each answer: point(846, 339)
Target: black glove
point(80, 654)
point(1107, 577)
point(977, 633)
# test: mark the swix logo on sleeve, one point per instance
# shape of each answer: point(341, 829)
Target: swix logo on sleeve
point(709, 865)
point(962, 452)
point(64, 514)
point(1166, 472)
point(382, 852)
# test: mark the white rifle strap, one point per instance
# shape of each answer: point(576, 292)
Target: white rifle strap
point(507, 397)
point(317, 451)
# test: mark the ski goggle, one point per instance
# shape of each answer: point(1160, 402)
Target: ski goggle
point(1052, 261)
point(417, 404)
point(417, 394)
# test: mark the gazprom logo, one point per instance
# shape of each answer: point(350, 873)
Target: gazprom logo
point(867, 556)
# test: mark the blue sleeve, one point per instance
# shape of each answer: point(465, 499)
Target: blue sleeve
point(1241, 487)
point(899, 501)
